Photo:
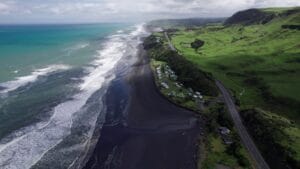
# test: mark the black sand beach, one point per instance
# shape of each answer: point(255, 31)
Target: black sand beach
point(143, 130)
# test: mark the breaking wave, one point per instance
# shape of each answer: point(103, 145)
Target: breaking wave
point(24, 80)
point(28, 148)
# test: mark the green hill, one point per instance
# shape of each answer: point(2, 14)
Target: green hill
point(250, 58)
point(256, 53)
point(191, 22)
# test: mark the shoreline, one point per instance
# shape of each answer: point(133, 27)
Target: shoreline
point(147, 132)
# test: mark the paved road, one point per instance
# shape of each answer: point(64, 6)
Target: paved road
point(169, 42)
point(247, 140)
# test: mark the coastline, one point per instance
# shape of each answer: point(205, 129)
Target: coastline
point(143, 129)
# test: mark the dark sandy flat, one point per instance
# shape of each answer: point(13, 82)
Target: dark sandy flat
point(148, 133)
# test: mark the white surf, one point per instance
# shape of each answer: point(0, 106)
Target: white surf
point(27, 149)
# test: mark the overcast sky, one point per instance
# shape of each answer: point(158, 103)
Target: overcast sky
point(48, 11)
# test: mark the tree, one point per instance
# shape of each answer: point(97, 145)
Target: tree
point(197, 44)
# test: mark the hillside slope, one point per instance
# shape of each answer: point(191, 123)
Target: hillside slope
point(256, 54)
point(250, 16)
point(191, 22)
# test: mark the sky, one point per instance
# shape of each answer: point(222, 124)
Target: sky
point(81, 11)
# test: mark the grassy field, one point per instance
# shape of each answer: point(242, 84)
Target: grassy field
point(236, 53)
point(259, 63)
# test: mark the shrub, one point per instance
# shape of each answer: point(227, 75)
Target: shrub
point(197, 44)
point(150, 42)
point(265, 132)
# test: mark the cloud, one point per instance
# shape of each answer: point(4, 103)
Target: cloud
point(5, 7)
point(277, 3)
point(127, 10)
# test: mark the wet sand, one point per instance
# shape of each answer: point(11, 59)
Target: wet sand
point(143, 130)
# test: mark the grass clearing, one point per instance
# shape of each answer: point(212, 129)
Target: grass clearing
point(233, 53)
point(260, 63)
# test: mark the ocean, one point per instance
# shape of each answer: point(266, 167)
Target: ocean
point(53, 79)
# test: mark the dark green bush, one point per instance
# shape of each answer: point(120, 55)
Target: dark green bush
point(197, 44)
point(265, 132)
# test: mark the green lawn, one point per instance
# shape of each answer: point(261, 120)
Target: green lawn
point(260, 64)
point(235, 53)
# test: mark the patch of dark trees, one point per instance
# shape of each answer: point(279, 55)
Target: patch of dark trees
point(292, 11)
point(277, 102)
point(293, 60)
point(221, 66)
point(265, 132)
point(151, 42)
point(219, 116)
point(171, 30)
point(197, 44)
point(293, 27)
point(250, 16)
point(188, 73)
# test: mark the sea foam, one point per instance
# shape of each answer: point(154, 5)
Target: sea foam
point(76, 47)
point(24, 80)
point(26, 150)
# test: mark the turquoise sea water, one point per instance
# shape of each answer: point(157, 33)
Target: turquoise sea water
point(52, 82)
point(27, 47)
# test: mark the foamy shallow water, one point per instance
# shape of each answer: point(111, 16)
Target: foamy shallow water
point(24, 80)
point(34, 142)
